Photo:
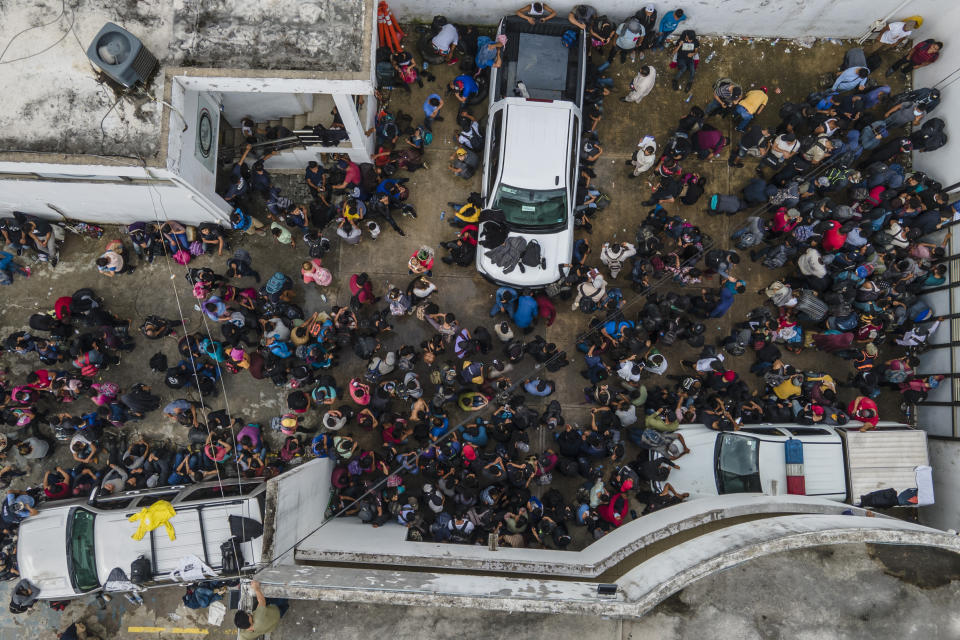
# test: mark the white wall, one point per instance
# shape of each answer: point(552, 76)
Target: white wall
point(105, 202)
point(181, 157)
point(263, 107)
point(944, 163)
point(945, 460)
point(785, 18)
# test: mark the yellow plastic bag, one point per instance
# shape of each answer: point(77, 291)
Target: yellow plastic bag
point(159, 513)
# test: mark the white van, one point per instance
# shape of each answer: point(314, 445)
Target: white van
point(531, 157)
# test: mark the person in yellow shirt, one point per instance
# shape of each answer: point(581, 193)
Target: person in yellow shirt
point(468, 213)
point(790, 388)
point(750, 106)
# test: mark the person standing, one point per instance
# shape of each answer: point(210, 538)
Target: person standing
point(431, 111)
point(894, 33)
point(644, 157)
point(922, 54)
point(630, 34)
point(641, 85)
point(648, 18)
point(264, 618)
point(315, 179)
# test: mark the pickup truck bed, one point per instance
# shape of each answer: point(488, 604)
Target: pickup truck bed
point(535, 55)
point(883, 459)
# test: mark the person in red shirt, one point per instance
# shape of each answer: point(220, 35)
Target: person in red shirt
point(922, 54)
point(546, 309)
point(834, 237)
point(865, 410)
point(784, 220)
point(362, 288)
point(56, 484)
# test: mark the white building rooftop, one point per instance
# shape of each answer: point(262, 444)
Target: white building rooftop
point(52, 102)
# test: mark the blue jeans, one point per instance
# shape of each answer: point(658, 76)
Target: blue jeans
point(683, 66)
point(281, 603)
point(745, 117)
point(660, 39)
point(712, 107)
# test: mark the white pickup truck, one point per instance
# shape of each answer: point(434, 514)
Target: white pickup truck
point(531, 157)
point(837, 463)
point(70, 547)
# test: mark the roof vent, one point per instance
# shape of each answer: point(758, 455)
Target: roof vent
point(121, 56)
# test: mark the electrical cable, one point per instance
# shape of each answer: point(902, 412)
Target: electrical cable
point(63, 10)
point(193, 365)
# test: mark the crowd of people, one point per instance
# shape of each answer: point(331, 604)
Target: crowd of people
point(831, 208)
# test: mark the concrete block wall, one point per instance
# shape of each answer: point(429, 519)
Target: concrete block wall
point(777, 18)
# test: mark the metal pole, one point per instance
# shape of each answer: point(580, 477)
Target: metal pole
point(878, 24)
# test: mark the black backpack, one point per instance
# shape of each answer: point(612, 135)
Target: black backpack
point(531, 256)
point(232, 557)
point(364, 347)
point(158, 362)
point(140, 570)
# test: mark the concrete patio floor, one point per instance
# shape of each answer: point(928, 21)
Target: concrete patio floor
point(162, 290)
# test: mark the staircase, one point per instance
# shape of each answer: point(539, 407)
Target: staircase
point(232, 141)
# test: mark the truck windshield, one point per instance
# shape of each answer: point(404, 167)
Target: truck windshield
point(738, 464)
point(82, 559)
point(532, 209)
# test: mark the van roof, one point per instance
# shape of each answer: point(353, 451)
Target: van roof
point(535, 148)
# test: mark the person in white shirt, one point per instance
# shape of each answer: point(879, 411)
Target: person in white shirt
point(894, 33)
point(615, 254)
point(642, 84)
point(536, 12)
point(445, 41)
point(918, 334)
point(644, 157)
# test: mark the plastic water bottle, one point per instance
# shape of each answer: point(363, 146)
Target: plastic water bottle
point(426, 65)
point(690, 95)
point(710, 57)
point(443, 214)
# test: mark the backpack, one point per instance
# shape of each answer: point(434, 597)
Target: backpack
point(364, 347)
point(746, 240)
point(531, 256)
point(158, 362)
point(587, 304)
point(231, 557)
point(569, 38)
point(276, 283)
point(140, 570)
point(42, 322)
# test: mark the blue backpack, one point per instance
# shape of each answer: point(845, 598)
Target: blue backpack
point(276, 283)
point(569, 38)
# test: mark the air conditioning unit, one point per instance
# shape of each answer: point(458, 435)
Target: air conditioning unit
point(121, 56)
